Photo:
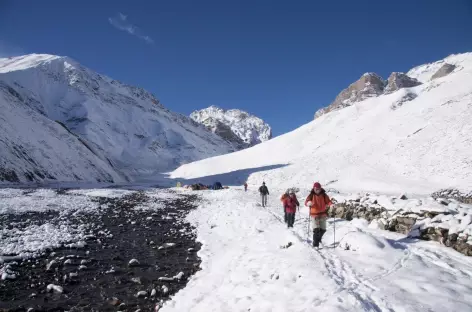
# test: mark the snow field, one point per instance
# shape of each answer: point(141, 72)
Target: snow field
point(420, 147)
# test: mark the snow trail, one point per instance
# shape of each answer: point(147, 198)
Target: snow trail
point(247, 265)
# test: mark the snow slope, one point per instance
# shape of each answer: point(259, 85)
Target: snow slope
point(248, 128)
point(61, 120)
point(245, 266)
point(416, 139)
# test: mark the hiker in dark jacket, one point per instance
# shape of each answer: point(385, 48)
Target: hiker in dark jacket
point(318, 202)
point(264, 192)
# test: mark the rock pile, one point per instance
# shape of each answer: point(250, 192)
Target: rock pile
point(451, 225)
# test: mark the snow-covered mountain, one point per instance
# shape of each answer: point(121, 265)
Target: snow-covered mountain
point(60, 120)
point(236, 126)
point(416, 139)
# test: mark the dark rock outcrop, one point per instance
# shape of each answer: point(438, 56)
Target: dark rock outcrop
point(369, 85)
point(455, 194)
point(410, 96)
point(445, 70)
point(225, 132)
point(398, 81)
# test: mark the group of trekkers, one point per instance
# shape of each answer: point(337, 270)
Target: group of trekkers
point(317, 201)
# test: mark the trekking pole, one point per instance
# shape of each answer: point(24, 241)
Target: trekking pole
point(334, 230)
point(308, 229)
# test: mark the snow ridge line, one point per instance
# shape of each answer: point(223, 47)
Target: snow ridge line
point(334, 266)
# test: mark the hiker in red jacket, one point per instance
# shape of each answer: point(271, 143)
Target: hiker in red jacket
point(282, 199)
point(318, 202)
point(291, 204)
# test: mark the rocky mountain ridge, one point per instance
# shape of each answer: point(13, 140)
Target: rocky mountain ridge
point(235, 126)
point(372, 85)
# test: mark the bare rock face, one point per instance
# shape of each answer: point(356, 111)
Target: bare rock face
point(398, 81)
point(225, 132)
point(445, 70)
point(235, 126)
point(369, 85)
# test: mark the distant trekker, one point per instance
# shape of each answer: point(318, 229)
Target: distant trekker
point(245, 187)
point(264, 192)
point(318, 201)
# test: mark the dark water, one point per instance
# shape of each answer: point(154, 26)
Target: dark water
point(108, 283)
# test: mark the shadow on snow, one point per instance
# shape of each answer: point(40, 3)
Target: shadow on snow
point(161, 180)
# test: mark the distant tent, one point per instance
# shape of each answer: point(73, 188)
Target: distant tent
point(217, 186)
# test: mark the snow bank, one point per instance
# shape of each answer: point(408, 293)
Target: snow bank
point(110, 193)
point(29, 236)
point(34, 239)
point(43, 200)
point(365, 243)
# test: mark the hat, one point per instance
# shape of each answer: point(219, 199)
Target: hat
point(317, 185)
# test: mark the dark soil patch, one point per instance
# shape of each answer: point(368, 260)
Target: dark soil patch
point(163, 243)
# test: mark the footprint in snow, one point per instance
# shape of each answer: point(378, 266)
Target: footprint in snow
point(274, 276)
point(287, 246)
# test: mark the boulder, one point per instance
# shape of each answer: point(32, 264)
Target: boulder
point(55, 288)
point(141, 294)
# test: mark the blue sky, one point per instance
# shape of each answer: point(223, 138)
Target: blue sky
point(280, 60)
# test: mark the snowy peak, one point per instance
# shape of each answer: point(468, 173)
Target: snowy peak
point(236, 126)
point(66, 70)
point(72, 112)
point(27, 61)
